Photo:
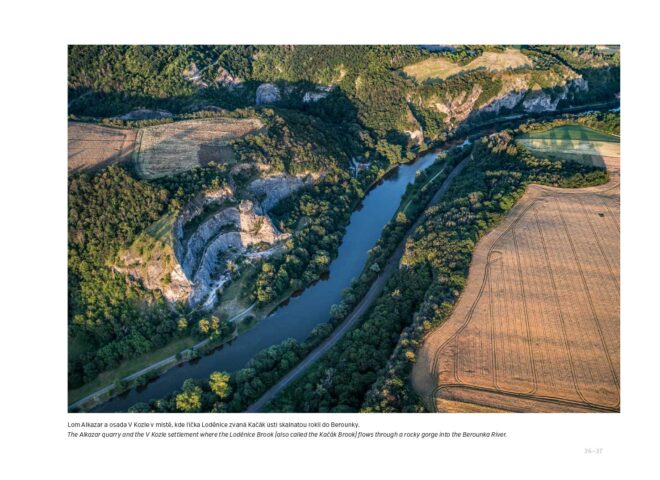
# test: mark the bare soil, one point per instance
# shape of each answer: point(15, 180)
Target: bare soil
point(93, 147)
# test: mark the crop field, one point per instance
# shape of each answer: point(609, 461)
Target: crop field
point(537, 327)
point(572, 142)
point(176, 147)
point(442, 68)
point(92, 147)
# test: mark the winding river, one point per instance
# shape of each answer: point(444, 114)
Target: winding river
point(301, 314)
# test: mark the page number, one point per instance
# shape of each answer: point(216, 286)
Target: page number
point(590, 451)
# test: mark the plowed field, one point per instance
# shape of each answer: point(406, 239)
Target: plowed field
point(537, 326)
point(92, 147)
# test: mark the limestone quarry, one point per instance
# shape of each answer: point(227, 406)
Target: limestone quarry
point(185, 257)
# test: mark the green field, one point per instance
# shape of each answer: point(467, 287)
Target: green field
point(572, 132)
point(572, 143)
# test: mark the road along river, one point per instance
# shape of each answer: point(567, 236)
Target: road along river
point(301, 314)
point(298, 317)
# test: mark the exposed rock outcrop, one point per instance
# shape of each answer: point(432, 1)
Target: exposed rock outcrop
point(542, 101)
point(458, 108)
point(270, 190)
point(189, 261)
point(228, 217)
point(204, 277)
point(416, 135)
point(507, 101)
point(226, 79)
point(192, 210)
point(519, 91)
point(157, 274)
point(211, 246)
point(194, 75)
point(267, 93)
point(317, 94)
point(151, 261)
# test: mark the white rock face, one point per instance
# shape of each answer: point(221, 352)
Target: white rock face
point(314, 96)
point(152, 273)
point(198, 269)
point(540, 102)
point(579, 84)
point(267, 93)
point(227, 234)
point(508, 101)
point(145, 114)
point(205, 232)
point(204, 278)
point(193, 209)
point(194, 75)
point(544, 102)
point(276, 187)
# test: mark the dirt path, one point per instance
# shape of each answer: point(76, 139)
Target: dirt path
point(161, 363)
point(361, 307)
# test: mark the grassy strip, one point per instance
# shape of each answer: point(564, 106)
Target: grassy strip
point(131, 366)
point(572, 132)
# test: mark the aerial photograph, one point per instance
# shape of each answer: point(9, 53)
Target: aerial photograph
point(343, 228)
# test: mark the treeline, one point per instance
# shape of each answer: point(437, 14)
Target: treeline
point(111, 317)
point(478, 199)
point(242, 387)
point(106, 213)
point(339, 381)
point(296, 142)
point(464, 54)
point(106, 81)
point(607, 122)
point(317, 217)
point(267, 367)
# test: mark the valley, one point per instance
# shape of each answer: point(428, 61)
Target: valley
point(248, 215)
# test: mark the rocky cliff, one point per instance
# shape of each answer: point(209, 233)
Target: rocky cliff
point(226, 235)
point(267, 93)
point(271, 189)
point(525, 92)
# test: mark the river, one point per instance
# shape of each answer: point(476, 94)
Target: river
point(302, 313)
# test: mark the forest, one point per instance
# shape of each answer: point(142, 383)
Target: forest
point(477, 200)
point(368, 369)
point(345, 380)
point(365, 109)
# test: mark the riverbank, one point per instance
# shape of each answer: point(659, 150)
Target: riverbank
point(142, 376)
point(300, 313)
point(364, 304)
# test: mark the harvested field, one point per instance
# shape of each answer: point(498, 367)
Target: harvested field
point(572, 142)
point(537, 327)
point(92, 147)
point(176, 147)
point(442, 68)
